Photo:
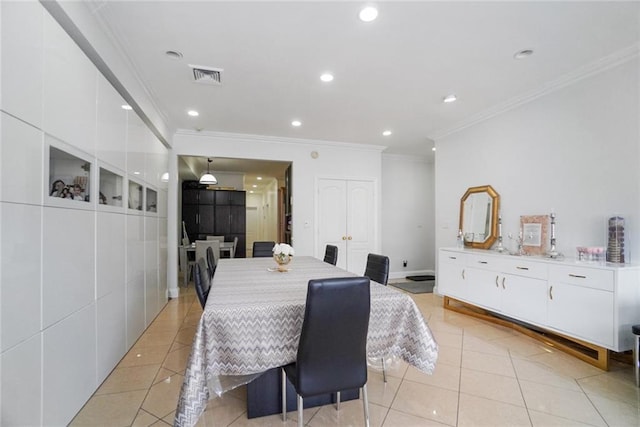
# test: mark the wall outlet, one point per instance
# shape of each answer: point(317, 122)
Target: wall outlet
point(404, 263)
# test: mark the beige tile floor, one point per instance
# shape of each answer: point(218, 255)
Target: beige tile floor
point(486, 375)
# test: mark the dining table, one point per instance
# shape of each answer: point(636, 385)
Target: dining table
point(252, 320)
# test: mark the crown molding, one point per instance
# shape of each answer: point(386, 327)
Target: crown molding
point(603, 64)
point(249, 138)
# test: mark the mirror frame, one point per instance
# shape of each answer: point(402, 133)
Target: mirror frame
point(495, 207)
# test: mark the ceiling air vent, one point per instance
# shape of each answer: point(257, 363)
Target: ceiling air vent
point(207, 75)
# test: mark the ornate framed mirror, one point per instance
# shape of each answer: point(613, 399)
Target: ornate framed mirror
point(479, 216)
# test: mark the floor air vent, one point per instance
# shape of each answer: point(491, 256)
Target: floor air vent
point(207, 75)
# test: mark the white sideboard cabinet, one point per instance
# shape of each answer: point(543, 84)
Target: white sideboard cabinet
point(584, 309)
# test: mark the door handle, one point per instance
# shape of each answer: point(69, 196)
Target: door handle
point(463, 278)
point(551, 292)
point(349, 238)
point(503, 283)
point(497, 286)
point(344, 237)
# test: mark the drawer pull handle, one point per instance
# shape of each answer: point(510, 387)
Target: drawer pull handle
point(452, 257)
point(497, 286)
point(577, 276)
point(550, 292)
point(482, 262)
point(503, 283)
point(522, 268)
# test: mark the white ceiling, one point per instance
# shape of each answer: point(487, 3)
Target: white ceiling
point(389, 74)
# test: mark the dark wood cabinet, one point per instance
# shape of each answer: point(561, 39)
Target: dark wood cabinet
point(214, 212)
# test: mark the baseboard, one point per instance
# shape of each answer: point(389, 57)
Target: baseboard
point(402, 274)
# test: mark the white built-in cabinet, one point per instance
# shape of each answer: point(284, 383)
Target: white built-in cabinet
point(346, 218)
point(593, 303)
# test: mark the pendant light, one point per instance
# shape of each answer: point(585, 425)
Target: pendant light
point(207, 178)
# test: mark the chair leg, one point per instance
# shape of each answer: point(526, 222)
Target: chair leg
point(337, 401)
point(384, 371)
point(365, 403)
point(284, 396)
point(300, 413)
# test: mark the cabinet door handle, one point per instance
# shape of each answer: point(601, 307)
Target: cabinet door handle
point(463, 278)
point(522, 268)
point(577, 276)
point(197, 218)
point(349, 238)
point(497, 286)
point(482, 262)
point(344, 237)
point(551, 292)
point(503, 283)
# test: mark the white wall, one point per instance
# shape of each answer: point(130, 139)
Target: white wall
point(335, 160)
point(78, 281)
point(408, 214)
point(575, 150)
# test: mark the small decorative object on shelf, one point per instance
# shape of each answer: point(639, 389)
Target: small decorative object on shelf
point(460, 240)
point(500, 248)
point(590, 253)
point(282, 254)
point(615, 241)
point(553, 251)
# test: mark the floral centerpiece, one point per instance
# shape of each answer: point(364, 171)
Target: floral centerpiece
point(282, 253)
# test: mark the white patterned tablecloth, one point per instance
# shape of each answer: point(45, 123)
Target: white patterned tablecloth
point(252, 323)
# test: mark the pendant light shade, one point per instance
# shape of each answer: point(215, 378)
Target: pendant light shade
point(207, 178)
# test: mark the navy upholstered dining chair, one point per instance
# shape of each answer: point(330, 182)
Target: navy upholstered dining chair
point(331, 254)
point(202, 281)
point(377, 269)
point(332, 351)
point(263, 249)
point(212, 262)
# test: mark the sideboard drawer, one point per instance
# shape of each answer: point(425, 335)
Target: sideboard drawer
point(520, 266)
point(582, 276)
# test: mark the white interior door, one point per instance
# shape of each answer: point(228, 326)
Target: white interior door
point(253, 227)
point(332, 218)
point(360, 224)
point(346, 219)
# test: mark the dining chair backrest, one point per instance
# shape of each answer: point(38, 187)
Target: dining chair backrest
point(332, 352)
point(235, 245)
point(377, 268)
point(211, 262)
point(202, 281)
point(263, 249)
point(331, 254)
point(201, 249)
point(218, 238)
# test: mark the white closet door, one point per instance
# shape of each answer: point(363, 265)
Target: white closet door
point(360, 224)
point(346, 219)
point(332, 217)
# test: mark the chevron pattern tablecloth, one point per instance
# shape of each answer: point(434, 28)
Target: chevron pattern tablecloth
point(252, 323)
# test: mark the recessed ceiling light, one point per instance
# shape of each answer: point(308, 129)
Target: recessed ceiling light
point(251, 191)
point(127, 107)
point(450, 98)
point(296, 123)
point(326, 77)
point(193, 113)
point(368, 14)
point(173, 54)
point(259, 178)
point(386, 133)
point(433, 149)
point(254, 186)
point(523, 54)
point(136, 173)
